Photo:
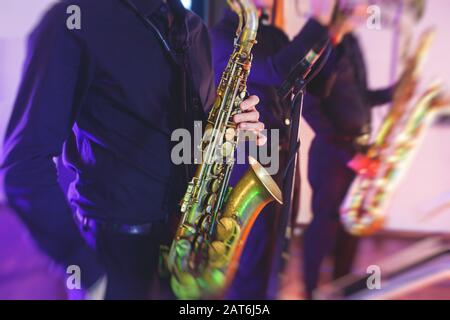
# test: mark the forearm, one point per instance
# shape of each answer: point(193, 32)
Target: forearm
point(270, 70)
point(380, 97)
point(37, 199)
point(287, 58)
point(32, 191)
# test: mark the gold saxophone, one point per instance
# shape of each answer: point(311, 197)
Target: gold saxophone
point(363, 210)
point(216, 220)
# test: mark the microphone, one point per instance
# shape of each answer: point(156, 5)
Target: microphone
point(301, 71)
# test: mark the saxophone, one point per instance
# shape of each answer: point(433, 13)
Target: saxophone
point(217, 219)
point(363, 210)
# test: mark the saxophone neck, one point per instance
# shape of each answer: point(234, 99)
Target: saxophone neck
point(248, 24)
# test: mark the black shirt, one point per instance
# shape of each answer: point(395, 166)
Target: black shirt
point(109, 93)
point(340, 105)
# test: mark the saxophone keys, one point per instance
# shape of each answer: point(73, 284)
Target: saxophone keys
point(185, 285)
point(214, 186)
point(217, 254)
point(185, 202)
point(205, 224)
point(230, 134)
point(227, 228)
point(216, 250)
point(217, 169)
point(210, 202)
point(227, 149)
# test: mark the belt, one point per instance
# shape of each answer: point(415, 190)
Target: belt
point(88, 224)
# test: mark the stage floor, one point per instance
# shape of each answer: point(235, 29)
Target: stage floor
point(25, 273)
point(371, 251)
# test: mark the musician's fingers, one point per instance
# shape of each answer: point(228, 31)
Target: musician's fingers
point(251, 116)
point(261, 139)
point(254, 133)
point(250, 103)
point(252, 126)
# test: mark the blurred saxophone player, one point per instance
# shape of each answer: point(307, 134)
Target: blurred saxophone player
point(339, 111)
point(274, 57)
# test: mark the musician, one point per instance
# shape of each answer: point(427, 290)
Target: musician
point(274, 57)
point(338, 109)
point(109, 94)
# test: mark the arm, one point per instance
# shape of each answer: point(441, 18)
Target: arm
point(271, 70)
point(55, 78)
point(380, 97)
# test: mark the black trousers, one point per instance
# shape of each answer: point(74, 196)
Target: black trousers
point(330, 180)
point(252, 277)
point(131, 263)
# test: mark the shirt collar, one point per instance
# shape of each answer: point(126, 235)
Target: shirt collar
point(148, 7)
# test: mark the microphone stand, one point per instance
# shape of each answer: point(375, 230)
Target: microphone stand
point(293, 87)
point(284, 231)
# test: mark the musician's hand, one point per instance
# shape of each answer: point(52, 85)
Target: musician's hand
point(364, 165)
point(248, 120)
point(322, 10)
point(346, 19)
